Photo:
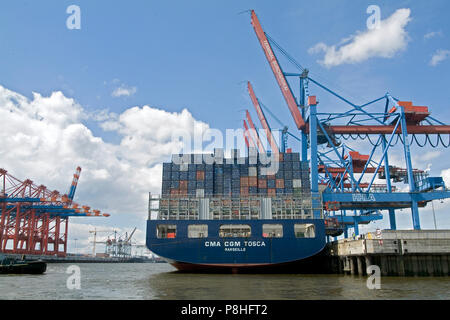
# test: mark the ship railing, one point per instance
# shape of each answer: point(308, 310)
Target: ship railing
point(218, 207)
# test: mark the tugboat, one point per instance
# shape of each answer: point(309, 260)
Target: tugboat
point(10, 265)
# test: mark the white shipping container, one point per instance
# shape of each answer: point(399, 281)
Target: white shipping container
point(203, 208)
point(252, 172)
point(297, 183)
point(200, 193)
point(266, 208)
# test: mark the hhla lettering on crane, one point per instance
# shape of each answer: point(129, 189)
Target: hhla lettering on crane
point(361, 197)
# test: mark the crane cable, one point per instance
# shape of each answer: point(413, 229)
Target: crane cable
point(439, 140)
point(413, 139)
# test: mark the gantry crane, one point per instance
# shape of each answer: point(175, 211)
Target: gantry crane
point(248, 137)
point(254, 133)
point(94, 232)
point(34, 220)
point(348, 176)
point(262, 119)
point(284, 131)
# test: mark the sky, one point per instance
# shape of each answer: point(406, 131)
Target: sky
point(108, 95)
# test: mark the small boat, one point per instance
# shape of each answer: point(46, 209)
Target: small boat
point(9, 265)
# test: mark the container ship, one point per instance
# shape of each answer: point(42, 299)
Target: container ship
point(237, 214)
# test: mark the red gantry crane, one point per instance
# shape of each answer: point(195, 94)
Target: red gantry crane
point(254, 133)
point(262, 119)
point(33, 219)
point(278, 73)
point(247, 137)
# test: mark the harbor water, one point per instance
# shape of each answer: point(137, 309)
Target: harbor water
point(156, 281)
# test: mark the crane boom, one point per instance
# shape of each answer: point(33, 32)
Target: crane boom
point(256, 136)
point(262, 119)
point(279, 75)
point(131, 235)
point(73, 187)
point(247, 136)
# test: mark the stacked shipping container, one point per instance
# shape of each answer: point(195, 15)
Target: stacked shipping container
point(235, 176)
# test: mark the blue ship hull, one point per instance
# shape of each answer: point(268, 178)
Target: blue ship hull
point(236, 254)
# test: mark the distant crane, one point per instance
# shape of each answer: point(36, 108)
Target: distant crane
point(117, 247)
point(254, 133)
point(285, 131)
point(95, 238)
point(262, 119)
point(248, 137)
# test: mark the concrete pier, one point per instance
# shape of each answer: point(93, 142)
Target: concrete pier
point(396, 252)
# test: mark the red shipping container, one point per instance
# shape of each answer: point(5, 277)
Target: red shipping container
point(272, 192)
point(244, 191)
point(183, 185)
point(200, 175)
point(252, 181)
point(244, 181)
point(280, 183)
point(262, 183)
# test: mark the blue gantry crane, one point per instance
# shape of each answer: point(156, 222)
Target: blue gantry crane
point(348, 179)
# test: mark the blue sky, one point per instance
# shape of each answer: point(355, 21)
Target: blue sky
point(198, 55)
point(195, 54)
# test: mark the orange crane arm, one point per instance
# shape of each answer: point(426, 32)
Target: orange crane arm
point(281, 79)
point(247, 136)
point(262, 118)
point(256, 136)
point(73, 187)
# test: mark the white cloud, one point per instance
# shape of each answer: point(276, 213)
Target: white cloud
point(124, 91)
point(432, 34)
point(439, 56)
point(44, 139)
point(385, 41)
point(100, 115)
point(445, 174)
point(423, 160)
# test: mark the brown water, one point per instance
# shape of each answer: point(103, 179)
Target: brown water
point(159, 281)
